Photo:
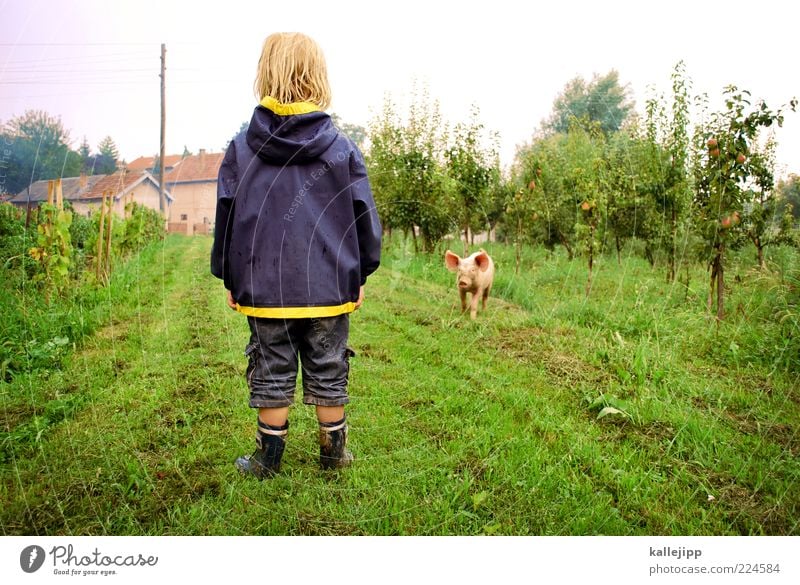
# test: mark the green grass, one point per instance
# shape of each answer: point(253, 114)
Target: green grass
point(458, 427)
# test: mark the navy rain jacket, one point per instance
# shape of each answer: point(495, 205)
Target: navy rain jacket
point(297, 232)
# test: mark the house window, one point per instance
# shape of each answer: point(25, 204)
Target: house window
point(184, 217)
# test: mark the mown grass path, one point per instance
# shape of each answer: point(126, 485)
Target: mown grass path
point(458, 427)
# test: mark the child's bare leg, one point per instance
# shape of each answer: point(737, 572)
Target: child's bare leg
point(327, 414)
point(275, 417)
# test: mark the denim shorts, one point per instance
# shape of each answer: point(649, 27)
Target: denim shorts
point(320, 343)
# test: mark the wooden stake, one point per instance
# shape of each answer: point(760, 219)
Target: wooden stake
point(50, 192)
point(108, 238)
point(100, 237)
point(59, 196)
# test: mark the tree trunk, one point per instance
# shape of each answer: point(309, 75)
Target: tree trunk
point(589, 278)
point(760, 248)
point(688, 276)
point(648, 253)
point(466, 239)
point(720, 287)
point(519, 245)
point(671, 272)
point(712, 284)
point(570, 253)
point(619, 249)
point(590, 250)
point(718, 282)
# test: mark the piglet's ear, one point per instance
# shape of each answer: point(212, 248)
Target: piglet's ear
point(451, 261)
point(482, 260)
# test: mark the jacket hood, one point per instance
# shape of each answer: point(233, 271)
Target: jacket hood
point(296, 133)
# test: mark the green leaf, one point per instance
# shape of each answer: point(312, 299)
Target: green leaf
point(611, 411)
point(479, 498)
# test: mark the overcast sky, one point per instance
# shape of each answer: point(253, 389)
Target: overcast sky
point(95, 63)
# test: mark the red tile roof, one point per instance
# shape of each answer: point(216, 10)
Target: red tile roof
point(144, 163)
point(198, 167)
point(117, 183)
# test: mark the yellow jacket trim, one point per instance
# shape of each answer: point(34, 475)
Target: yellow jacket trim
point(289, 109)
point(296, 312)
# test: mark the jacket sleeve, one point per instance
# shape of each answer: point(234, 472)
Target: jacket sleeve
point(227, 182)
point(368, 225)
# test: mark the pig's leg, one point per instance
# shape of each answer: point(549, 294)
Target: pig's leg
point(463, 294)
point(485, 296)
point(473, 305)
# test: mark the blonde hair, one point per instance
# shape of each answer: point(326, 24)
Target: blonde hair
point(292, 69)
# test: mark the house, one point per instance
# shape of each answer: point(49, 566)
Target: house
point(124, 186)
point(193, 185)
point(71, 188)
point(148, 163)
point(85, 193)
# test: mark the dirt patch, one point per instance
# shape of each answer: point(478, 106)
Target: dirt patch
point(748, 510)
point(523, 343)
point(16, 414)
point(538, 345)
point(377, 353)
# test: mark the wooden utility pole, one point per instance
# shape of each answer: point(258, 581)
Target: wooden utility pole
point(108, 236)
point(162, 203)
point(100, 238)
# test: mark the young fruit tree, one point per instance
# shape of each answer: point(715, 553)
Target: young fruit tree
point(470, 165)
point(763, 222)
point(722, 178)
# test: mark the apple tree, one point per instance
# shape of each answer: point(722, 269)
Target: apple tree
point(722, 177)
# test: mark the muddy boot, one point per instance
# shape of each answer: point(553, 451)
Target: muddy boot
point(266, 459)
point(332, 443)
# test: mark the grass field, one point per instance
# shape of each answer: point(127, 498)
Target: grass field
point(498, 426)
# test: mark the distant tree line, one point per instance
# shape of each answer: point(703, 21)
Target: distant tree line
point(40, 148)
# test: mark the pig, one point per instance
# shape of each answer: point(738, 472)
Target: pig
point(474, 274)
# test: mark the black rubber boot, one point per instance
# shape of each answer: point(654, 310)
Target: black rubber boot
point(332, 445)
point(266, 459)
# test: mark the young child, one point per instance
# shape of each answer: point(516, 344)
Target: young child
point(297, 234)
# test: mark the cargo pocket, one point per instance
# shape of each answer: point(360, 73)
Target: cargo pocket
point(250, 354)
point(348, 353)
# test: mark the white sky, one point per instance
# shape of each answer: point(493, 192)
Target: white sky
point(512, 59)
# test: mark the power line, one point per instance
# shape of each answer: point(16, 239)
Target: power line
point(75, 44)
point(71, 82)
point(72, 71)
point(135, 56)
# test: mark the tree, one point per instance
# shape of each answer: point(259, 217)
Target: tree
point(603, 101)
point(722, 177)
point(675, 198)
point(244, 126)
point(763, 222)
point(632, 178)
point(411, 184)
point(470, 165)
point(108, 156)
point(356, 133)
point(85, 151)
point(788, 196)
point(545, 202)
point(39, 146)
